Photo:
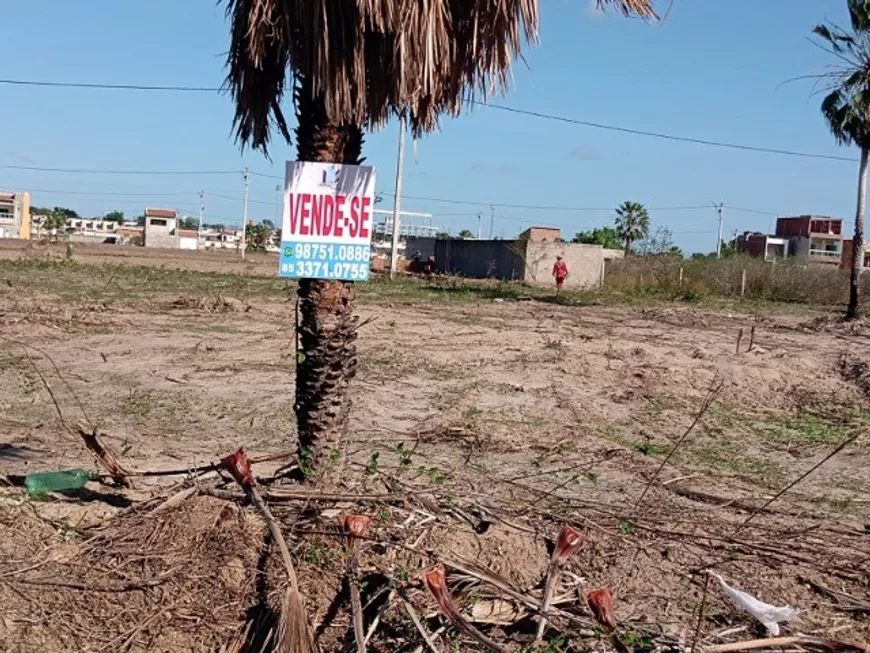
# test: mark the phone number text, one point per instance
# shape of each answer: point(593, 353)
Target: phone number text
point(317, 251)
point(326, 270)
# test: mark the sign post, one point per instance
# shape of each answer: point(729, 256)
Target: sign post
point(327, 226)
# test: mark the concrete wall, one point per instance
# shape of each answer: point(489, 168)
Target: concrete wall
point(24, 216)
point(15, 215)
point(585, 263)
point(521, 260)
point(482, 259)
point(161, 232)
point(92, 239)
point(426, 246)
point(799, 246)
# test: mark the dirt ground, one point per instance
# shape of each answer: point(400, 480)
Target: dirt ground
point(512, 418)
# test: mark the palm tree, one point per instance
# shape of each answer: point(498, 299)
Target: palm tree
point(846, 109)
point(352, 64)
point(632, 223)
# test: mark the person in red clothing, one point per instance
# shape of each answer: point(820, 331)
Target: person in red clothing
point(560, 271)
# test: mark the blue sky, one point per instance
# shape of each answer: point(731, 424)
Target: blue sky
point(712, 70)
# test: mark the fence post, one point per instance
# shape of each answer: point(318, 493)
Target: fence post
point(681, 277)
point(743, 285)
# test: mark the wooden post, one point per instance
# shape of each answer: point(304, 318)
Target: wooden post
point(751, 338)
point(743, 285)
point(681, 277)
point(739, 338)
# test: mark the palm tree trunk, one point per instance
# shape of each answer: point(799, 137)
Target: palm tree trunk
point(854, 310)
point(326, 324)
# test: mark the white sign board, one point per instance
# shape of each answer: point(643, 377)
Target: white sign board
point(326, 232)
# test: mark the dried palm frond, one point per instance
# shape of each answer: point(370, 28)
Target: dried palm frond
point(436, 582)
point(369, 59)
point(294, 633)
point(601, 603)
point(568, 542)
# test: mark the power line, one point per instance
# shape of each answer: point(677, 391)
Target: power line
point(421, 198)
point(239, 199)
point(669, 137)
point(534, 207)
point(106, 195)
point(122, 172)
point(737, 208)
point(498, 107)
point(110, 87)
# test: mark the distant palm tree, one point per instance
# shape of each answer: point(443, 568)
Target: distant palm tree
point(846, 109)
point(352, 65)
point(632, 223)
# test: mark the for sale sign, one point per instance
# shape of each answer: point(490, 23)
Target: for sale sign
point(327, 228)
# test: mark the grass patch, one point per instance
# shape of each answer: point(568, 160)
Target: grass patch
point(730, 456)
point(458, 291)
point(75, 282)
point(138, 404)
point(803, 428)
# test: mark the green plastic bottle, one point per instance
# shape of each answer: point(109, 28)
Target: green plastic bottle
point(69, 479)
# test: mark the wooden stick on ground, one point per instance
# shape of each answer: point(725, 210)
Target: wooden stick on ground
point(778, 642)
point(355, 526)
point(105, 455)
point(417, 623)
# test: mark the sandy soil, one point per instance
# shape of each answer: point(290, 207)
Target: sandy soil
point(550, 414)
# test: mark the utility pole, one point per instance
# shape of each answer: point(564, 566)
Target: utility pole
point(400, 162)
point(245, 216)
point(479, 219)
point(491, 219)
point(719, 210)
point(201, 212)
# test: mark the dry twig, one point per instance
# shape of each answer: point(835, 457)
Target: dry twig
point(800, 640)
point(105, 455)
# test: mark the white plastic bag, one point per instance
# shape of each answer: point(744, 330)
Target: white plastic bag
point(768, 615)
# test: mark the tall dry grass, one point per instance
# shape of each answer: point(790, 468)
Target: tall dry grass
point(790, 281)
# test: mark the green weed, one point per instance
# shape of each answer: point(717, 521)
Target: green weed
point(317, 554)
point(626, 527)
point(648, 448)
point(404, 457)
point(372, 464)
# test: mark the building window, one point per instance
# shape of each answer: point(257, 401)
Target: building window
point(157, 222)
